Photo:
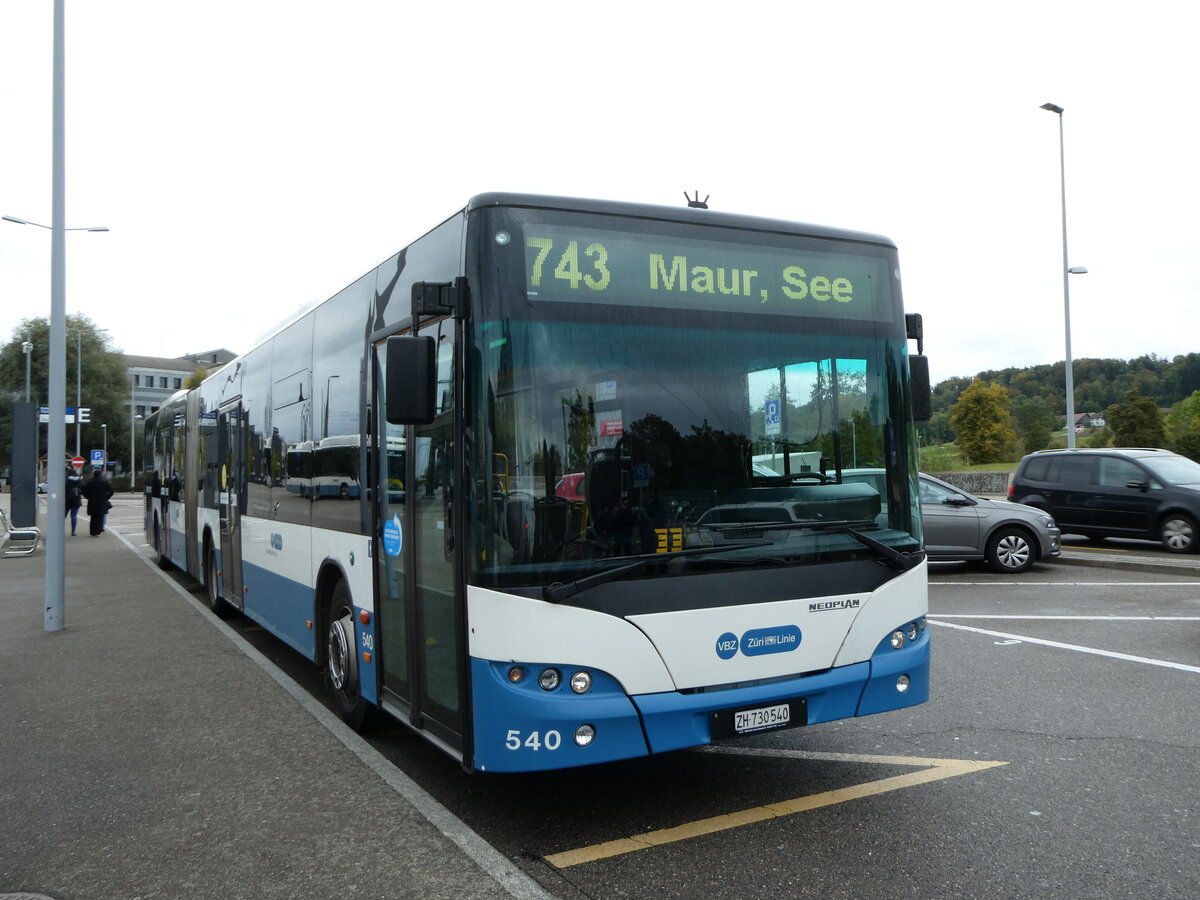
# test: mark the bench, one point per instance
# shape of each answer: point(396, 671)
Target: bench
point(18, 541)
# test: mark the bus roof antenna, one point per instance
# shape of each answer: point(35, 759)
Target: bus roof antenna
point(697, 203)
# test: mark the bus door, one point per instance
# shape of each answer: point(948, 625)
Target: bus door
point(420, 620)
point(231, 450)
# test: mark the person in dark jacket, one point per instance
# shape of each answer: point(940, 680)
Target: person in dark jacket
point(96, 492)
point(74, 497)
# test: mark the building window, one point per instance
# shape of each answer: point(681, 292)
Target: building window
point(137, 380)
point(162, 381)
point(141, 411)
point(178, 383)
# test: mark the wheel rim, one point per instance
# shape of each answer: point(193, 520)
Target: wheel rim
point(341, 653)
point(1178, 534)
point(1012, 551)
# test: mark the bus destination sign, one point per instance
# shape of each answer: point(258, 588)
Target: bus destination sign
point(591, 265)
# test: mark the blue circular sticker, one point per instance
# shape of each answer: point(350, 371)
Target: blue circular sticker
point(727, 645)
point(393, 537)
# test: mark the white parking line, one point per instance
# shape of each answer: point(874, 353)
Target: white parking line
point(1072, 618)
point(1110, 654)
point(1087, 584)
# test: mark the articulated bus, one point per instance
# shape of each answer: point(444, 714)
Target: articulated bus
point(380, 483)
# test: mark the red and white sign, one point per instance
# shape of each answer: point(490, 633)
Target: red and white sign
point(77, 463)
point(613, 427)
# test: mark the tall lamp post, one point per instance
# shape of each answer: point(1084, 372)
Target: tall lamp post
point(1068, 271)
point(104, 431)
point(56, 548)
point(79, 332)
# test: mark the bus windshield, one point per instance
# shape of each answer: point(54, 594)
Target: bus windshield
point(621, 425)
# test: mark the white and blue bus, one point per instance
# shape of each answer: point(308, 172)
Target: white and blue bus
point(375, 483)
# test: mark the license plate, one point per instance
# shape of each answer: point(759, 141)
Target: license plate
point(735, 722)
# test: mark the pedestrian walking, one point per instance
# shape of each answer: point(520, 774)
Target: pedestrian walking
point(74, 497)
point(96, 492)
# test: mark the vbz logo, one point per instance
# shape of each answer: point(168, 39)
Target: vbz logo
point(276, 541)
point(727, 645)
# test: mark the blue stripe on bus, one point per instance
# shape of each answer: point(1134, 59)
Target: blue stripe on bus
point(282, 606)
point(521, 728)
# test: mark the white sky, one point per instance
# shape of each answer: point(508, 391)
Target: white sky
point(253, 156)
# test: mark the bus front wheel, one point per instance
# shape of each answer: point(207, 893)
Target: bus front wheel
point(341, 660)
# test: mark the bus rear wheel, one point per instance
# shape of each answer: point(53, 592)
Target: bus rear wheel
point(341, 660)
point(212, 589)
point(164, 561)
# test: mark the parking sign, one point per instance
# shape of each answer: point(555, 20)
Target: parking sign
point(772, 411)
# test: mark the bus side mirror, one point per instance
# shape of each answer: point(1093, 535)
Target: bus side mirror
point(922, 393)
point(411, 380)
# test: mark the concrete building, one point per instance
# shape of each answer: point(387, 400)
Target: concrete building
point(153, 379)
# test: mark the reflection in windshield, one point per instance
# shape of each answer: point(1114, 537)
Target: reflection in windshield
point(606, 441)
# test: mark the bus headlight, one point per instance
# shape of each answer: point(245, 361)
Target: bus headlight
point(913, 631)
point(515, 674)
point(902, 684)
point(549, 679)
point(581, 682)
point(584, 735)
point(897, 640)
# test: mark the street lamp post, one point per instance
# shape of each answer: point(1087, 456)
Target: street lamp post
point(132, 454)
point(1068, 271)
point(104, 431)
point(56, 547)
point(79, 332)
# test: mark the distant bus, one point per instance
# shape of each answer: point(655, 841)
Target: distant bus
point(508, 487)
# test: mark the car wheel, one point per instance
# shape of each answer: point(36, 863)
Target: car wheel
point(1178, 533)
point(1009, 550)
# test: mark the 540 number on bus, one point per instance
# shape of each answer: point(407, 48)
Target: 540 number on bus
point(534, 740)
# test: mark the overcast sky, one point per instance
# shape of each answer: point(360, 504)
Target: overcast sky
point(250, 157)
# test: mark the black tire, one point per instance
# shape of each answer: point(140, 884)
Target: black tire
point(216, 602)
point(1177, 531)
point(341, 661)
point(164, 561)
point(1011, 550)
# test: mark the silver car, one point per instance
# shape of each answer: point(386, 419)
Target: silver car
point(1010, 537)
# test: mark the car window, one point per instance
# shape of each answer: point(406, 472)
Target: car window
point(1078, 470)
point(1174, 469)
point(1119, 472)
point(935, 493)
point(1036, 469)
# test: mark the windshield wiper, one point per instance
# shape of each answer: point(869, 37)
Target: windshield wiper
point(558, 592)
point(890, 555)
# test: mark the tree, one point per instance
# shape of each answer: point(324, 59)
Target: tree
point(1183, 426)
point(1035, 422)
point(102, 376)
point(981, 422)
point(195, 379)
point(1136, 422)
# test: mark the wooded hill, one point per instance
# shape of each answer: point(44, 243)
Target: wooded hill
point(1099, 383)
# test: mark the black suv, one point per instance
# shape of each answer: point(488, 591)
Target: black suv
point(1115, 493)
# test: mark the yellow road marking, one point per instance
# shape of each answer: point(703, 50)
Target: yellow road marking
point(932, 770)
